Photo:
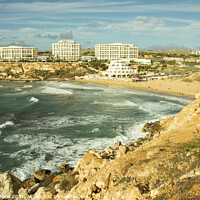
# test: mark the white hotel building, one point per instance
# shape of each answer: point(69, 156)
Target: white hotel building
point(115, 51)
point(18, 53)
point(120, 69)
point(67, 50)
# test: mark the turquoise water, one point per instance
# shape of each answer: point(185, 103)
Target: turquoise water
point(45, 124)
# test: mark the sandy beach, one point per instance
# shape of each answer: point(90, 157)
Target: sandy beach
point(176, 87)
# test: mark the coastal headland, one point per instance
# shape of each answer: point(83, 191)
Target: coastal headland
point(163, 165)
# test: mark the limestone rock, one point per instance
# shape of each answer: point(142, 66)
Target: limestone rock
point(33, 189)
point(9, 185)
point(23, 193)
point(104, 155)
point(117, 145)
point(103, 182)
point(152, 153)
point(65, 168)
point(41, 174)
point(89, 164)
point(109, 150)
point(43, 194)
point(48, 181)
point(197, 96)
point(122, 151)
point(29, 182)
point(133, 193)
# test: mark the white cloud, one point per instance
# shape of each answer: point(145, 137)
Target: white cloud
point(143, 25)
point(94, 7)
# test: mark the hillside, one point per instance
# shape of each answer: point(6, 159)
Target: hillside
point(171, 51)
point(84, 52)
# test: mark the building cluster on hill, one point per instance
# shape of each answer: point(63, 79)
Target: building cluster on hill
point(120, 60)
point(67, 50)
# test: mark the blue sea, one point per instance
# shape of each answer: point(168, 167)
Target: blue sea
point(46, 124)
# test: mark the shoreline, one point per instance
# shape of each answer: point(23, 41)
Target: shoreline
point(153, 85)
point(174, 87)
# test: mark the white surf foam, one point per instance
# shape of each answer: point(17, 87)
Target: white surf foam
point(28, 86)
point(6, 124)
point(55, 91)
point(75, 86)
point(34, 100)
point(118, 104)
point(18, 89)
point(53, 122)
point(50, 151)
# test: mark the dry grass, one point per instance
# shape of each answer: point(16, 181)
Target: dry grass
point(197, 78)
point(68, 182)
point(188, 80)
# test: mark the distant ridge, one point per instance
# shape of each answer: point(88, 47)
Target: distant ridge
point(170, 51)
point(91, 52)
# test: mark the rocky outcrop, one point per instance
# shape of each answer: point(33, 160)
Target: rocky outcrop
point(9, 185)
point(40, 71)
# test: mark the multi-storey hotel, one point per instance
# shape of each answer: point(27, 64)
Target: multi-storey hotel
point(120, 69)
point(115, 51)
point(17, 53)
point(66, 50)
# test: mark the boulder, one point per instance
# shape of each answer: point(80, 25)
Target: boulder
point(65, 168)
point(122, 151)
point(88, 165)
point(48, 181)
point(41, 174)
point(29, 182)
point(103, 182)
point(23, 193)
point(104, 156)
point(109, 150)
point(33, 189)
point(9, 185)
point(152, 127)
point(117, 145)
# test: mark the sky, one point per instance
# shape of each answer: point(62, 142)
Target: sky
point(149, 24)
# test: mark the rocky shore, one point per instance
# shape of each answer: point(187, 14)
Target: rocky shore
point(163, 165)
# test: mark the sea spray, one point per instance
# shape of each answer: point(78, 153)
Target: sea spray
point(34, 100)
point(6, 124)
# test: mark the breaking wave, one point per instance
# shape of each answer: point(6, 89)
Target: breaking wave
point(6, 124)
point(55, 91)
point(34, 100)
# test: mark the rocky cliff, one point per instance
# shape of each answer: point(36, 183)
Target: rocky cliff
point(163, 165)
point(40, 71)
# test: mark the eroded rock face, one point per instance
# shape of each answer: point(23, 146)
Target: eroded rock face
point(41, 174)
point(189, 116)
point(9, 185)
point(89, 164)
